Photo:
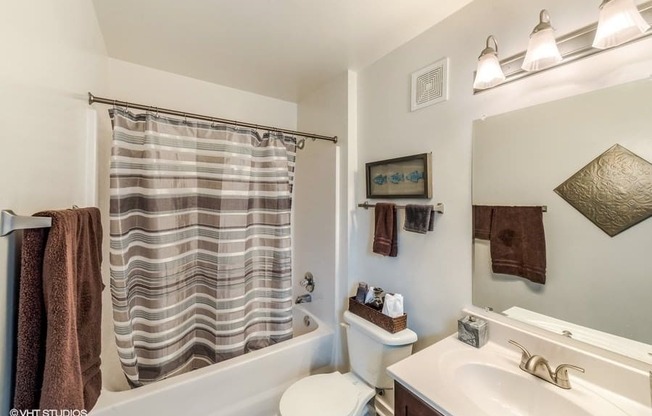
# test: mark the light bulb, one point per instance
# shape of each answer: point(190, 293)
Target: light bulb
point(619, 22)
point(489, 73)
point(542, 51)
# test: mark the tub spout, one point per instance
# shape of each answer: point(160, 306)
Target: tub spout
point(304, 298)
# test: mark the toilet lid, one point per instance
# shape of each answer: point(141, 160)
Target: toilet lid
point(320, 395)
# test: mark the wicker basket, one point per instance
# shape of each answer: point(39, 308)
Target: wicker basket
point(389, 324)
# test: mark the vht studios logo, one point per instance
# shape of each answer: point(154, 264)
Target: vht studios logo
point(48, 412)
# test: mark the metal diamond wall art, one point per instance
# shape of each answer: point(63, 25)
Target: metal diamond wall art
point(614, 191)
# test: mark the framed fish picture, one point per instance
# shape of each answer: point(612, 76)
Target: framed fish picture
point(403, 177)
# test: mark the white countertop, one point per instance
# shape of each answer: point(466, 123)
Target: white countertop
point(433, 375)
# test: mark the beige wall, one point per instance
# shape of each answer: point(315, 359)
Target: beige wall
point(52, 54)
point(433, 272)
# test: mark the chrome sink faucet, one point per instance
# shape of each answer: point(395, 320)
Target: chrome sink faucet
point(539, 367)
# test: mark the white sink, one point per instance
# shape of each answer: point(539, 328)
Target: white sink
point(459, 380)
point(502, 392)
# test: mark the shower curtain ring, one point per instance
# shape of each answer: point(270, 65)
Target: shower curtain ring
point(301, 144)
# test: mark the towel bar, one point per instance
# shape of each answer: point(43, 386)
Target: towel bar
point(439, 208)
point(10, 222)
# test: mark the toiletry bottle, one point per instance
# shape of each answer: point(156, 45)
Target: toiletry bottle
point(361, 293)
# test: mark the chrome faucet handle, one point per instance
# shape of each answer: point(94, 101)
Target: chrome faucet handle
point(308, 282)
point(561, 375)
point(525, 356)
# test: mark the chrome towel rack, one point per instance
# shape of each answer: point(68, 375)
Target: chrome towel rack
point(439, 208)
point(10, 222)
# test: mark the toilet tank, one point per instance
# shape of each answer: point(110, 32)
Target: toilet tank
point(372, 349)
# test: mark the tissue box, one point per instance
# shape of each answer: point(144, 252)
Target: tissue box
point(472, 331)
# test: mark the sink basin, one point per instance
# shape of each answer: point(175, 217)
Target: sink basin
point(459, 380)
point(502, 392)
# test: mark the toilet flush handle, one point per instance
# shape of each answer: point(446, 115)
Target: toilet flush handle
point(344, 325)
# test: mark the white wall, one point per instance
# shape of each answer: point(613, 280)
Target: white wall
point(139, 84)
point(150, 86)
point(433, 272)
point(52, 54)
point(321, 212)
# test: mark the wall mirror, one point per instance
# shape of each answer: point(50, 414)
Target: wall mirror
point(593, 280)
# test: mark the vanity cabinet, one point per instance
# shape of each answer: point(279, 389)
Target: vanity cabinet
point(407, 404)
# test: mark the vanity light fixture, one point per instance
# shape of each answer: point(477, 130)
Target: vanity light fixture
point(575, 45)
point(620, 21)
point(542, 51)
point(489, 73)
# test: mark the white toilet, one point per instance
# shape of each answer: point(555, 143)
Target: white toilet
point(371, 351)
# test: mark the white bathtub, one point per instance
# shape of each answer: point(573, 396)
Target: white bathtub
point(249, 385)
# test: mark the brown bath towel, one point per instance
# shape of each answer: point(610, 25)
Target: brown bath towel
point(385, 233)
point(72, 300)
point(518, 245)
point(30, 352)
point(482, 215)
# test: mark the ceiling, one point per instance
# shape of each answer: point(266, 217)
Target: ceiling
point(278, 48)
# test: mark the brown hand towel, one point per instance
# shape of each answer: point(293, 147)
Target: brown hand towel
point(30, 352)
point(72, 300)
point(419, 218)
point(518, 245)
point(385, 233)
point(482, 215)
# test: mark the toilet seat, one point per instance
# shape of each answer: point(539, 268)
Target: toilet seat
point(331, 394)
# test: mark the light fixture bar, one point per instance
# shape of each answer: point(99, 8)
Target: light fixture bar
point(573, 46)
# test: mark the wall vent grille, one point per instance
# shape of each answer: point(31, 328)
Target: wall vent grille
point(430, 85)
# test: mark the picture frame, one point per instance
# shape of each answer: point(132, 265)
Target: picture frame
point(402, 177)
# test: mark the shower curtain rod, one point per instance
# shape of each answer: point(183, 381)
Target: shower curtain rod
point(93, 99)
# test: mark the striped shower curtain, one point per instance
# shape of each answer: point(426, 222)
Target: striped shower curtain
point(200, 243)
